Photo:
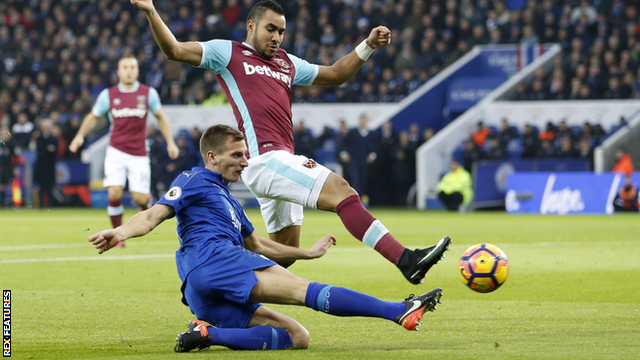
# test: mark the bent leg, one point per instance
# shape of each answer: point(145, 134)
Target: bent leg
point(271, 318)
point(339, 197)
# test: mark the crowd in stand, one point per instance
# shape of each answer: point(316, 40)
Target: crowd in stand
point(600, 58)
point(58, 55)
point(553, 142)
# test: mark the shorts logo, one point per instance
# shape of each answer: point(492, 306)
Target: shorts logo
point(310, 164)
point(173, 193)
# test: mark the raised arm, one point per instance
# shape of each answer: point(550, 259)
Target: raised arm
point(140, 224)
point(185, 52)
point(283, 253)
point(344, 69)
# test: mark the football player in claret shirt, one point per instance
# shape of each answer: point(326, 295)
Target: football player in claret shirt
point(257, 76)
point(227, 270)
point(127, 105)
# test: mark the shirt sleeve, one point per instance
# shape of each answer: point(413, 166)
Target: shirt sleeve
point(305, 72)
point(154, 101)
point(216, 55)
point(182, 193)
point(247, 227)
point(101, 106)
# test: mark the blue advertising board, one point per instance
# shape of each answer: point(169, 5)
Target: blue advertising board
point(563, 193)
point(489, 177)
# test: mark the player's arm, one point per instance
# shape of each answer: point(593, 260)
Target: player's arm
point(185, 52)
point(279, 252)
point(140, 224)
point(88, 124)
point(165, 130)
point(344, 69)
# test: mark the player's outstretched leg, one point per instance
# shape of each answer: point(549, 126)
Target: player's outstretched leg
point(414, 264)
point(201, 335)
point(345, 302)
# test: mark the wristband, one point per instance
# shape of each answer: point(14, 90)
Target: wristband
point(364, 50)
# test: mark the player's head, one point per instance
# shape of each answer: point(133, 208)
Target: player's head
point(223, 150)
point(128, 70)
point(265, 27)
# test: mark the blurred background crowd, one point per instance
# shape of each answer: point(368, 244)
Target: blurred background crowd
point(58, 55)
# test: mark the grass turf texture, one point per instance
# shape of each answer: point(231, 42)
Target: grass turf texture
point(572, 291)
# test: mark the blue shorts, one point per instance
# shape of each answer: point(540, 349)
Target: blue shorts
point(218, 290)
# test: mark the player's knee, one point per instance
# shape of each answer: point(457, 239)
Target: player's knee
point(300, 337)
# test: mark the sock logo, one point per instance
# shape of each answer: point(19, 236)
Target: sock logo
point(326, 303)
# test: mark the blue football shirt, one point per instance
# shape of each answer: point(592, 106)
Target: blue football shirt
point(207, 215)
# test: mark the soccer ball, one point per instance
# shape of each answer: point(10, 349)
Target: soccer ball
point(484, 268)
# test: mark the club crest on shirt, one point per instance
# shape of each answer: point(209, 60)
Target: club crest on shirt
point(141, 101)
point(284, 65)
point(246, 52)
point(310, 164)
point(173, 193)
point(116, 101)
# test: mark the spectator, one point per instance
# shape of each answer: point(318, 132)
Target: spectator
point(455, 188)
point(530, 142)
point(404, 168)
point(624, 164)
point(304, 141)
point(358, 152)
point(22, 131)
point(546, 150)
point(496, 151)
point(480, 134)
point(381, 178)
point(566, 149)
point(45, 170)
point(549, 132)
point(627, 197)
point(586, 153)
point(7, 152)
point(470, 155)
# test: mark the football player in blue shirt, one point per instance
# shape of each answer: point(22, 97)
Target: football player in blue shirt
point(227, 270)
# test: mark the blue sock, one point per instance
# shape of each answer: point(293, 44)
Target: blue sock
point(344, 302)
point(255, 338)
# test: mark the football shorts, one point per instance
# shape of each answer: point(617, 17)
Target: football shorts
point(283, 183)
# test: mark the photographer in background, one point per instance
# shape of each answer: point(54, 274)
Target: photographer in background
point(627, 197)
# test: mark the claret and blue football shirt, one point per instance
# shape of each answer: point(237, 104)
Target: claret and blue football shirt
point(259, 90)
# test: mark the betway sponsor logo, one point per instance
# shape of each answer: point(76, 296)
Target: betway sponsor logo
point(128, 112)
point(561, 201)
point(264, 70)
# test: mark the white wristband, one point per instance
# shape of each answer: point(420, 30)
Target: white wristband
point(363, 50)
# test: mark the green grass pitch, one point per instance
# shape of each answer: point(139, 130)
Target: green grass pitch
point(573, 290)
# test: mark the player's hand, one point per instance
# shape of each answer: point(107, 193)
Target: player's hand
point(76, 143)
point(321, 246)
point(173, 150)
point(144, 5)
point(105, 240)
point(379, 37)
